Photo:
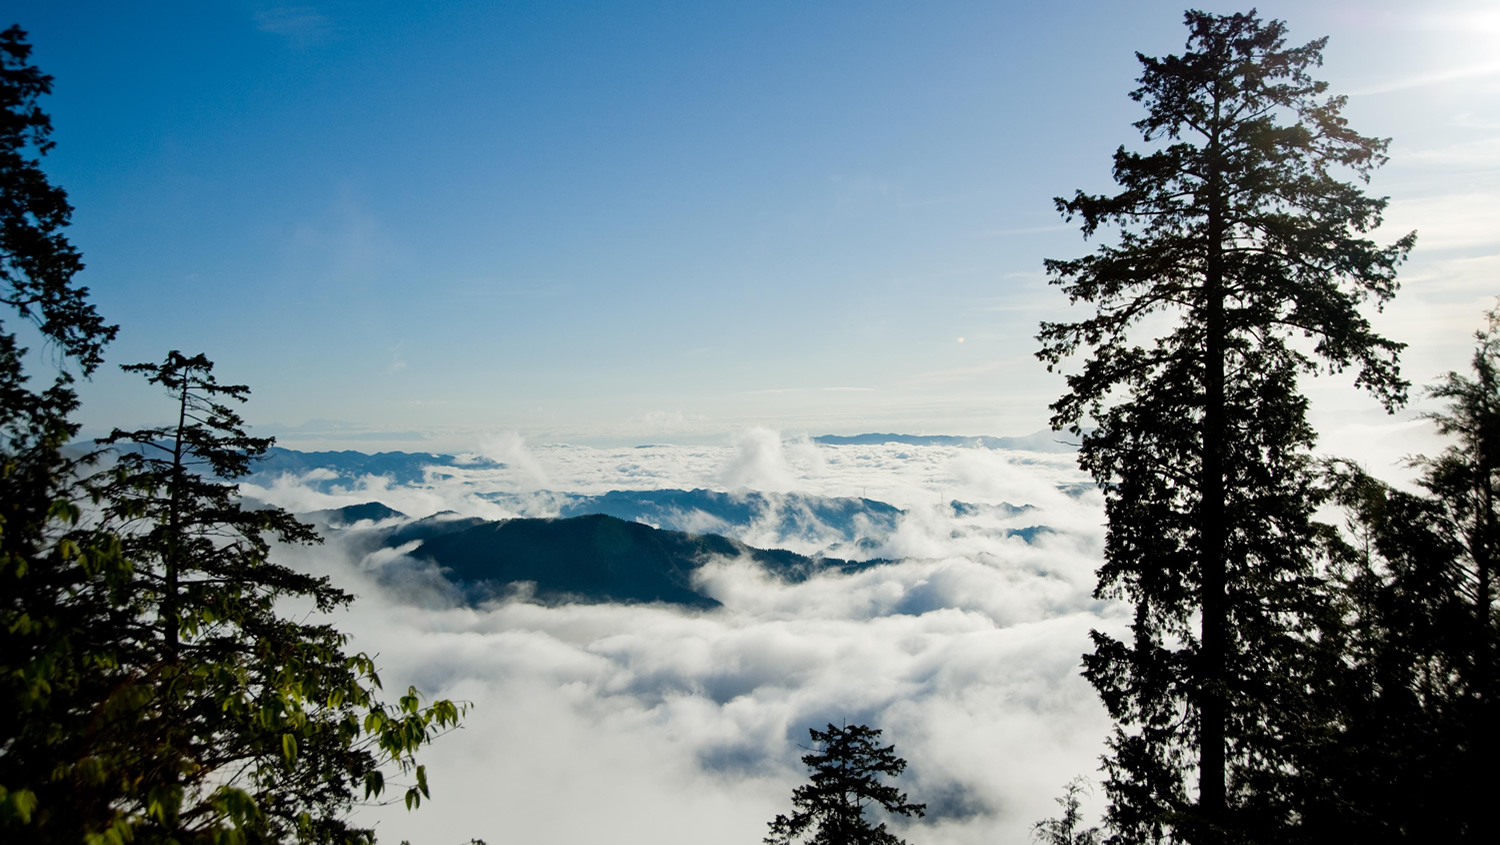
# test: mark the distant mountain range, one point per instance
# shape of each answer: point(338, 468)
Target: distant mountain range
point(347, 516)
point(599, 557)
point(835, 526)
point(838, 525)
point(592, 559)
point(346, 466)
point(1041, 441)
point(636, 546)
point(411, 467)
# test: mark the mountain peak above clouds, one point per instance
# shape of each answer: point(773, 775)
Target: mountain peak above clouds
point(351, 514)
point(496, 536)
point(589, 559)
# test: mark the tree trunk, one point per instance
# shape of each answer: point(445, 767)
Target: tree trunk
point(1485, 552)
point(1213, 636)
point(169, 603)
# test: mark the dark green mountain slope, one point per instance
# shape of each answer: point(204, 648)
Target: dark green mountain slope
point(350, 514)
point(597, 558)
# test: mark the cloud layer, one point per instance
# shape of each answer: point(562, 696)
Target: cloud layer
point(655, 724)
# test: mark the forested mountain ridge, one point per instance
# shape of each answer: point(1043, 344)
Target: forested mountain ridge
point(590, 559)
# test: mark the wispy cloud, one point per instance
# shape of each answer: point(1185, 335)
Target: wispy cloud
point(300, 26)
point(961, 374)
point(334, 430)
point(346, 241)
point(1461, 221)
point(1425, 80)
point(812, 390)
point(1030, 230)
point(1483, 153)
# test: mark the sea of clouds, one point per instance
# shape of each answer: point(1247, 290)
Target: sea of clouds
point(593, 723)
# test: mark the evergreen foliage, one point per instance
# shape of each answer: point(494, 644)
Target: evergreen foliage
point(1069, 829)
point(1411, 664)
point(261, 725)
point(152, 688)
point(847, 767)
point(1384, 765)
point(1236, 233)
point(58, 578)
point(37, 261)
point(1465, 483)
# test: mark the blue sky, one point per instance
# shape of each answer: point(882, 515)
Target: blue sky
point(415, 225)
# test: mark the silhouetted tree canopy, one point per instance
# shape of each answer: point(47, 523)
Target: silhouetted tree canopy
point(847, 768)
point(37, 261)
point(152, 688)
point(1069, 829)
point(262, 725)
point(1235, 238)
point(60, 580)
point(1409, 686)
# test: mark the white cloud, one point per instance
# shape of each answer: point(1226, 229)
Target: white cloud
point(674, 724)
point(510, 448)
point(763, 462)
point(1426, 80)
point(677, 726)
point(1480, 154)
point(1457, 221)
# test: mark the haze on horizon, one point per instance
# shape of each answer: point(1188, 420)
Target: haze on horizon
point(419, 227)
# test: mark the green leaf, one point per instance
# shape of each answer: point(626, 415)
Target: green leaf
point(21, 803)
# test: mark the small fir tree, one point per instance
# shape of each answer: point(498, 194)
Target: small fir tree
point(847, 766)
point(1069, 829)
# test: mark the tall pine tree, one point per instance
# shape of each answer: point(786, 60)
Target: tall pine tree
point(1235, 232)
point(251, 722)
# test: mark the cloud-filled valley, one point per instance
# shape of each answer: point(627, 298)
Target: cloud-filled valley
point(963, 644)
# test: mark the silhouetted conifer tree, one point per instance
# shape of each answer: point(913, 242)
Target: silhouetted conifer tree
point(1409, 690)
point(1465, 482)
point(149, 691)
point(847, 767)
point(60, 581)
point(1378, 759)
point(1239, 244)
point(252, 724)
point(1069, 829)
